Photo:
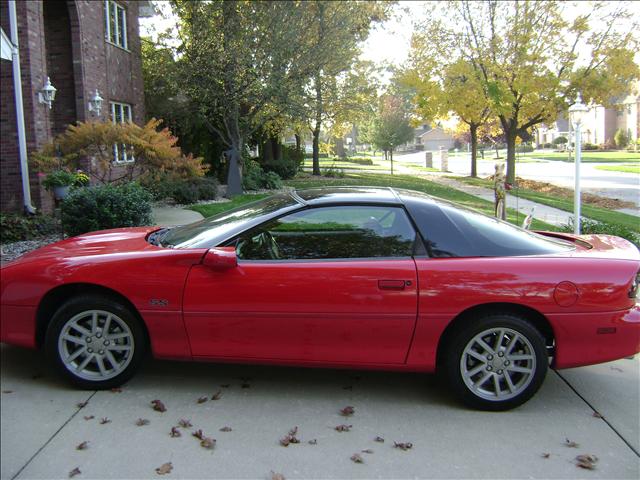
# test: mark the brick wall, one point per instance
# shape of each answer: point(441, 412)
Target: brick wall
point(64, 40)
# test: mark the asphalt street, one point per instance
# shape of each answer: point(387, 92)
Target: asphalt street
point(624, 186)
point(42, 424)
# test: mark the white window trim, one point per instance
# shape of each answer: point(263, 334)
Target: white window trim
point(116, 147)
point(107, 15)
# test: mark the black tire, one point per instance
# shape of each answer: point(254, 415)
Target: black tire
point(112, 358)
point(479, 378)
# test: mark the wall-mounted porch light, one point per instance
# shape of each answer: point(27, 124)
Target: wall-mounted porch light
point(95, 103)
point(48, 93)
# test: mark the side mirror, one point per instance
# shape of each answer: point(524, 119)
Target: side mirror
point(221, 258)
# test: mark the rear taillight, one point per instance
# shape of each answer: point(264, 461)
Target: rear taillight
point(634, 290)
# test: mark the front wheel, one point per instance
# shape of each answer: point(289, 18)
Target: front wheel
point(95, 342)
point(496, 363)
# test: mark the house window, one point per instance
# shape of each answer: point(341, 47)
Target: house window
point(115, 23)
point(121, 113)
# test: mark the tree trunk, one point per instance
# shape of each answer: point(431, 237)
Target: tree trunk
point(297, 142)
point(318, 124)
point(473, 130)
point(511, 155)
point(340, 148)
point(234, 177)
point(276, 147)
point(391, 157)
point(267, 151)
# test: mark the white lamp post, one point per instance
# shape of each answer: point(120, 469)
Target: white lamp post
point(95, 103)
point(577, 112)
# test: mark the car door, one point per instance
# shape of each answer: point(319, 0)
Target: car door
point(333, 284)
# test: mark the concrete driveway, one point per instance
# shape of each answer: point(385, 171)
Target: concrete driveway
point(42, 424)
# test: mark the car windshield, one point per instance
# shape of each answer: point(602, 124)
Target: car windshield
point(212, 230)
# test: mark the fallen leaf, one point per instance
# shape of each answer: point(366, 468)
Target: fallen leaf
point(74, 472)
point(158, 406)
point(403, 446)
point(104, 421)
point(379, 439)
point(207, 442)
point(293, 432)
point(277, 476)
point(570, 444)
point(225, 429)
point(116, 390)
point(7, 391)
point(597, 415)
point(313, 442)
point(226, 385)
point(285, 441)
point(587, 461)
point(343, 428)
point(142, 422)
point(357, 458)
point(164, 468)
point(368, 450)
point(202, 399)
point(83, 446)
point(545, 455)
point(216, 396)
point(347, 411)
point(89, 417)
point(185, 423)
point(175, 432)
point(82, 404)
point(617, 369)
point(198, 434)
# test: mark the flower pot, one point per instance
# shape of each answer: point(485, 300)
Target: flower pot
point(60, 192)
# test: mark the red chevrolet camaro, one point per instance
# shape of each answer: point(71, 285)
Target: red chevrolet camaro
point(342, 277)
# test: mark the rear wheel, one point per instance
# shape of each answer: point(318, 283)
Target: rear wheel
point(95, 342)
point(496, 363)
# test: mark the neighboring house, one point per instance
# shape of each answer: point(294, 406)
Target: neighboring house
point(83, 47)
point(433, 138)
point(600, 124)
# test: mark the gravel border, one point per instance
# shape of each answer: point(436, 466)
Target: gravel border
point(11, 251)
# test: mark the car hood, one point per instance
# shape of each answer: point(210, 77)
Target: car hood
point(104, 242)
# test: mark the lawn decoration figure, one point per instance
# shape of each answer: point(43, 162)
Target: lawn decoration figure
point(499, 187)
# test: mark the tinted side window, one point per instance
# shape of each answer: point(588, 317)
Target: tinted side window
point(331, 233)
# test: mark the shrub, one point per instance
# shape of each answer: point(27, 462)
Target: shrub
point(333, 171)
point(588, 146)
point(621, 138)
point(524, 148)
point(359, 160)
point(16, 227)
point(255, 178)
point(106, 206)
point(547, 145)
point(588, 226)
point(184, 191)
point(560, 141)
point(289, 165)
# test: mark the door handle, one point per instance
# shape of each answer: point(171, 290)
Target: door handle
point(392, 284)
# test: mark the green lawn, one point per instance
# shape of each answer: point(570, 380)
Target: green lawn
point(209, 209)
point(589, 157)
point(626, 168)
point(594, 213)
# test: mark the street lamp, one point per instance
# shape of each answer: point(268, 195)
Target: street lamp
point(577, 111)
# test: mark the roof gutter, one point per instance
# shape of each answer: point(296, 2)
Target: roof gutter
point(17, 88)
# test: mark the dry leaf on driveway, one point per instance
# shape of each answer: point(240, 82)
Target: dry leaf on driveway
point(587, 461)
point(158, 406)
point(74, 472)
point(347, 411)
point(570, 444)
point(83, 446)
point(164, 468)
point(357, 458)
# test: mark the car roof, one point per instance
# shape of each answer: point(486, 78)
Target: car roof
point(332, 195)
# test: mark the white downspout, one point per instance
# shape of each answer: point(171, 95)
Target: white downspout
point(17, 88)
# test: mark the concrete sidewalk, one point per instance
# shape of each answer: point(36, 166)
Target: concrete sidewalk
point(169, 215)
point(42, 425)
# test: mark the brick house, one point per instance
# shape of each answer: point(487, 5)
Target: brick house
point(81, 46)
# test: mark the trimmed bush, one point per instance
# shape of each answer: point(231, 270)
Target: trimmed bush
point(359, 160)
point(16, 228)
point(621, 138)
point(106, 206)
point(289, 165)
point(524, 148)
point(588, 146)
point(185, 191)
point(560, 140)
point(255, 178)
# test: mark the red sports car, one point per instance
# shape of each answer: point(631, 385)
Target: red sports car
point(342, 277)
